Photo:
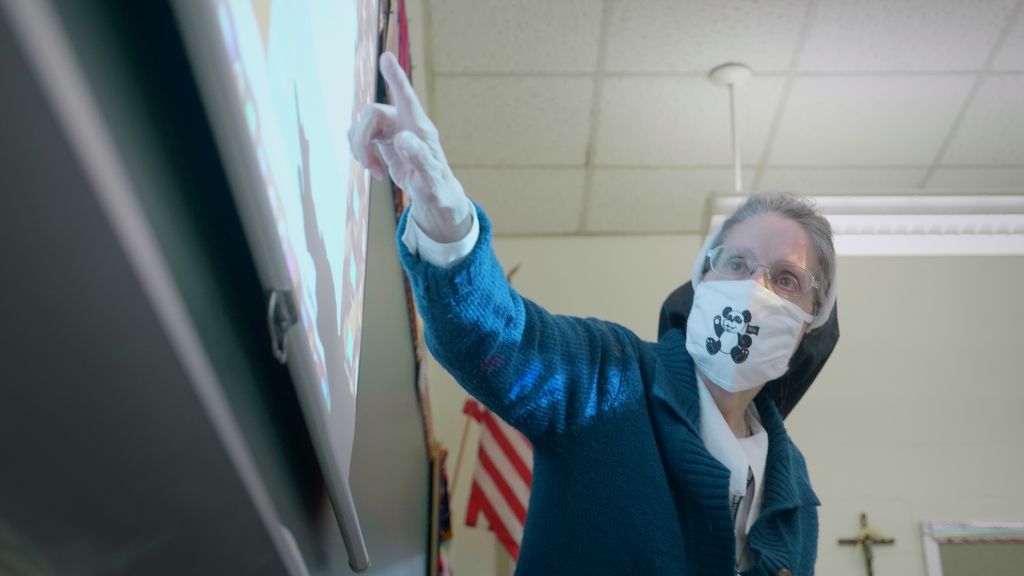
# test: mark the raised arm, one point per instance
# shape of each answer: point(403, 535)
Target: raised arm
point(542, 373)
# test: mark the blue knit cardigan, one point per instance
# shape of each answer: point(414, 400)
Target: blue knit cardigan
point(622, 483)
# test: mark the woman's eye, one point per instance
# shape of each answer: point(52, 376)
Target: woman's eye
point(736, 265)
point(788, 282)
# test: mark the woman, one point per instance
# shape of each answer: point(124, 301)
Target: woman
point(648, 458)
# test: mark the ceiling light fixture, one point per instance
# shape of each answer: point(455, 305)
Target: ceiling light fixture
point(890, 225)
point(914, 225)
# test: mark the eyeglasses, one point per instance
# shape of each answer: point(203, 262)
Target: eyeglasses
point(785, 278)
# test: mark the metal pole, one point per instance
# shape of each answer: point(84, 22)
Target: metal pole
point(733, 75)
point(737, 165)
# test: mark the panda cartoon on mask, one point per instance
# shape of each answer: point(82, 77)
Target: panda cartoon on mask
point(737, 325)
point(730, 351)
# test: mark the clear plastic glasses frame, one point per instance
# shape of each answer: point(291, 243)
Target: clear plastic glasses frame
point(786, 279)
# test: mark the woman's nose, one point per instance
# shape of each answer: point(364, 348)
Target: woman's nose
point(760, 275)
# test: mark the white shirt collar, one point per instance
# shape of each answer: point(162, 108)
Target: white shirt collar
point(720, 441)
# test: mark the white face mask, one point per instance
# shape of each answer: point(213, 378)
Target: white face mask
point(741, 334)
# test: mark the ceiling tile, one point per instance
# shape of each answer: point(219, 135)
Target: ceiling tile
point(992, 131)
point(909, 35)
point(816, 181)
point(527, 201)
point(681, 121)
point(868, 120)
point(515, 35)
point(975, 180)
point(697, 35)
point(514, 121)
point(1011, 55)
point(653, 200)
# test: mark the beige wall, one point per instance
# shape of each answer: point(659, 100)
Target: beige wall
point(914, 418)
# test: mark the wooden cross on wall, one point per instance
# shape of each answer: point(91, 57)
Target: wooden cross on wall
point(865, 539)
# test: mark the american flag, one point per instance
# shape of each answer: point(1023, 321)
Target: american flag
point(501, 481)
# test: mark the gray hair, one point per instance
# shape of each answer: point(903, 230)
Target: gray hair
point(802, 211)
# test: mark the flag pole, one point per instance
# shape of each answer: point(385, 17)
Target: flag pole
point(458, 457)
point(437, 460)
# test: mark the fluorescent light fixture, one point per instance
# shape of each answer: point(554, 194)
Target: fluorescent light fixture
point(913, 225)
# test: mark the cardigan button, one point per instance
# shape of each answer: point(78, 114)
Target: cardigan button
point(784, 572)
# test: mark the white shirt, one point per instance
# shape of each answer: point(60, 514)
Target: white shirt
point(744, 457)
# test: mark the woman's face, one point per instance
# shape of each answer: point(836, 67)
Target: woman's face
point(770, 238)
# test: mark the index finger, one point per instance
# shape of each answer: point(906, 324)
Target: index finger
point(402, 93)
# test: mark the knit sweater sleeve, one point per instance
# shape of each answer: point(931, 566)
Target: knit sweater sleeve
point(542, 373)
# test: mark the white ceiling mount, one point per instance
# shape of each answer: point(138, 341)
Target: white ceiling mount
point(731, 74)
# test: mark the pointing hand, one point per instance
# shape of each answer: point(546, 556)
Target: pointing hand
point(401, 139)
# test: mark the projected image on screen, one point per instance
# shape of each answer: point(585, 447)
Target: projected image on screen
point(302, 71)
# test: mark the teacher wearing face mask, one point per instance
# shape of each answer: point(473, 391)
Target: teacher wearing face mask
point(649, 458)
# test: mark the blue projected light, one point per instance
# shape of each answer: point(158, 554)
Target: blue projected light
point(325, 389)
point(250, 117)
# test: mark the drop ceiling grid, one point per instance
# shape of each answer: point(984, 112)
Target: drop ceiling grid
point(868, 120)
point(1016, 15)
point(545, 88)
point(515, 36)
point(809, 15)
point(905, 36)
point(653, 36)
point(516, 121)
point(528, 200)
point(596, 110)
point(1012, 56)
point(665, 200)
point(992, 131)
